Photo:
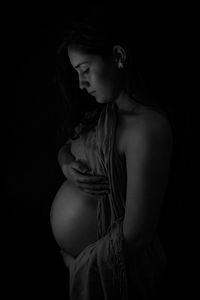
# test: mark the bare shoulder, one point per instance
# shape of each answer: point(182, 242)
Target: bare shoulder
point(147, 127)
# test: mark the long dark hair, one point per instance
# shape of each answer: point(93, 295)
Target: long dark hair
point(97, 34)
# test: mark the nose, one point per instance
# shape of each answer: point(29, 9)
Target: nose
point(83, 83)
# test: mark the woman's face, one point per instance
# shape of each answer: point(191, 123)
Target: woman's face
point(100, 77)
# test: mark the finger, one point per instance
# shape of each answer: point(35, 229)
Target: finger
point(95, 193)
point(81, 170)
point(92, 179)
point(80, 167)
point(96, 187)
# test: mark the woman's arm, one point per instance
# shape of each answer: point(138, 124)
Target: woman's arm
point(147, 148)
point(65, 156)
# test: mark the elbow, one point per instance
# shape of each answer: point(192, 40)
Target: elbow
point(62, 153)
point(59, 156)
point(133, 244)
point(136, 242)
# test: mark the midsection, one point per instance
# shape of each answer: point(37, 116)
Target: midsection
point(73, 218)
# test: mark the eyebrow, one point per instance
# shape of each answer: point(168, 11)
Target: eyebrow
point(76, 67)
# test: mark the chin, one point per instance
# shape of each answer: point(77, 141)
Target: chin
point(99, 100)
point(103, 100)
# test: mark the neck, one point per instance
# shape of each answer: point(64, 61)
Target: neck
point(125, 103)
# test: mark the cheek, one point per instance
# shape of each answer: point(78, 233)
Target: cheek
point(97, 80)
point(104, 80)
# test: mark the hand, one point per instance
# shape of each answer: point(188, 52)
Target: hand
point(76, 172)
point(67, 258)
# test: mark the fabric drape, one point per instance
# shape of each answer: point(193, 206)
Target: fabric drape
point(99, 271)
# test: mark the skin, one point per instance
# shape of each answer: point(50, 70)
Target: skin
point(103, 76)
point(145, 139)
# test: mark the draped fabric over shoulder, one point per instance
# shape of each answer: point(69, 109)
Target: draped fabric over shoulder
point(99, 271)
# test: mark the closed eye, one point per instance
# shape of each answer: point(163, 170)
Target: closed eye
point(86, 71)
point(83, 72)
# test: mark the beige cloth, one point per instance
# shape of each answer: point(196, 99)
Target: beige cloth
point(99, 271)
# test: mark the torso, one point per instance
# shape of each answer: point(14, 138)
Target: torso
point(73, 213)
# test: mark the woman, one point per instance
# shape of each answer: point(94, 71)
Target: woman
point(105, 215)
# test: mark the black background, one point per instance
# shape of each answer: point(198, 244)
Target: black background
point(33, 266)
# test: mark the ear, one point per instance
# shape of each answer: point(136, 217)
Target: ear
point(119, 54)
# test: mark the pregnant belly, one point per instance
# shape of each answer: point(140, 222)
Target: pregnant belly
point(73, 218)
